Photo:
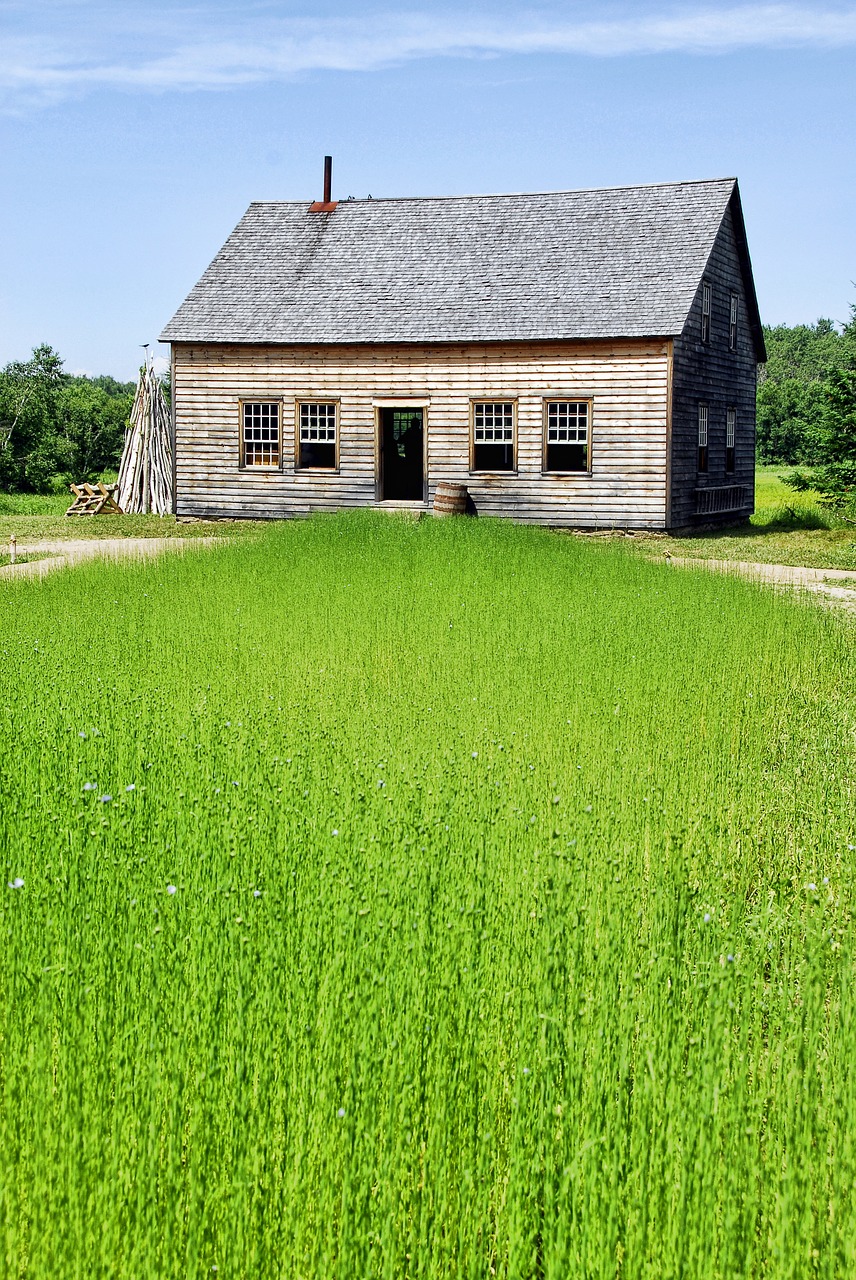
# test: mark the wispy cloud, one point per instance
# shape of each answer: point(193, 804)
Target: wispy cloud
point(40, 67)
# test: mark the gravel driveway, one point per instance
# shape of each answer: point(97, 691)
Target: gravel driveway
point(833, 584)
point(62, 553)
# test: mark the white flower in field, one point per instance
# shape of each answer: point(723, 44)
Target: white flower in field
point(90, 786)
point(104, 799)
point(526, 1071)
point(475, 755)
point(730, 959)
point(812, 888)
point(335, 831)
point(17, 883)
point(257, 893)
point(707, 917)
point(341, 1113)
point(132, 786)
point(826, 879)
point(81, 734)
point(171, 889)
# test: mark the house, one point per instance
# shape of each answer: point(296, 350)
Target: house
point(576, 358)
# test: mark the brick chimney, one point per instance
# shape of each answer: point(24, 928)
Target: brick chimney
point(328, 204)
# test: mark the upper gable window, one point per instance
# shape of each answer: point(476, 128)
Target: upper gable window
point(317, 434)
point(566, 447)
point(260, 433)
point(732, 322)
point(493, 435)
point(706, 298)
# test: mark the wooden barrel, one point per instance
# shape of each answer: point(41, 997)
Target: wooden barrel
point(450, 499)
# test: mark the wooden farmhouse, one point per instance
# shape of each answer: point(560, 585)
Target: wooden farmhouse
point(580, 358)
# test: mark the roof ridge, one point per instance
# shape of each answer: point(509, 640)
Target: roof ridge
point(515, 195)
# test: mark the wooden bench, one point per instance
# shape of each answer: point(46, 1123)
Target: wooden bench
point(97, 500)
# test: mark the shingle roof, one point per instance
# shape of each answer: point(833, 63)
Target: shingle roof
point(620, 262)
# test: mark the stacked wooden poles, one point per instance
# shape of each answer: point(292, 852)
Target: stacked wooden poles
point(145, 473)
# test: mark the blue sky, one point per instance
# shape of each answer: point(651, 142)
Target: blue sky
point(133, 136)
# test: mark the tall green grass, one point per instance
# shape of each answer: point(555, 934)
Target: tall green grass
point(434, 900)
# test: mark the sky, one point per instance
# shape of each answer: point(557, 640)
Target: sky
point(133, 136)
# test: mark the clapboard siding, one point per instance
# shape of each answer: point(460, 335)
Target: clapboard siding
point(627, 382)
point(712, 374)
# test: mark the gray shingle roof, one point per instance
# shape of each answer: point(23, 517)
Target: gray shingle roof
point(620, 262)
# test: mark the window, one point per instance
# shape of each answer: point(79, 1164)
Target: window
point(702, 437)
point(730, 428)
point(567, 443)
point(732, 322)
point(316, 446)
point(260, 433)
point(493, 436)
point(705, 311)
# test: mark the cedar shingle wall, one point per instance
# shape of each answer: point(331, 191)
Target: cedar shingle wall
point(628, 383)
point(722, 378)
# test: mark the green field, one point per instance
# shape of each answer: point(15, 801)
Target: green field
point(437, 899)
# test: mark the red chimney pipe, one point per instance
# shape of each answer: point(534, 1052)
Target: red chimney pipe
point(328, 204)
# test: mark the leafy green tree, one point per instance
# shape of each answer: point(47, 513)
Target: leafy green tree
point(54, 427)
point(791, 390)
point(834, 475)
point(834, 478)
point(28, 401)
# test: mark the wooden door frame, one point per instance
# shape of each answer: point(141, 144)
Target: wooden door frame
point(379, 403)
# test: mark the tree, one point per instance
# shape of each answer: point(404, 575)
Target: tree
point(54, 427)
point(834, 476)
point(28, 394)
point(791, 394)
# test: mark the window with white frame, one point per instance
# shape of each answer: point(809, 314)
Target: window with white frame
point(706, 300)
point(703, 415)
point(493, 435)
point(260, 433)
point(566, 447)
point(730, 432)
point(317, 431)
point(732, 322)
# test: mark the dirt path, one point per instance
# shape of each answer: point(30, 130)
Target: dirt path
point(838, 585)
point(60, 554)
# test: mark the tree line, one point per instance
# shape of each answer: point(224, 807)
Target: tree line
point(57, 427)
point(806, 411)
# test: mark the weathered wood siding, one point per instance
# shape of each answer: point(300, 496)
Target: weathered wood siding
point(628, 383)
point(712, 374)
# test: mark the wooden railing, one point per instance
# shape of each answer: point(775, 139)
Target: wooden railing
point(731, 497)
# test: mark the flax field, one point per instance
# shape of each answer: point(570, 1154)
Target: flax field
point(439, 899)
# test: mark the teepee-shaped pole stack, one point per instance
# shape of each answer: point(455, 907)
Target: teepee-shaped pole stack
point(145, 472)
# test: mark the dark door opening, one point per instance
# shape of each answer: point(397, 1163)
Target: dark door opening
point(402, 446)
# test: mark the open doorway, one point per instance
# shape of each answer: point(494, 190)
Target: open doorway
point(402, 451)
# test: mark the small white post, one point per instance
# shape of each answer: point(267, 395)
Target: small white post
point(13, 550)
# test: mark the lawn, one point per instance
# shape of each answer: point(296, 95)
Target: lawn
point(787, 528)
point(437, 899)
point(41, 517)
